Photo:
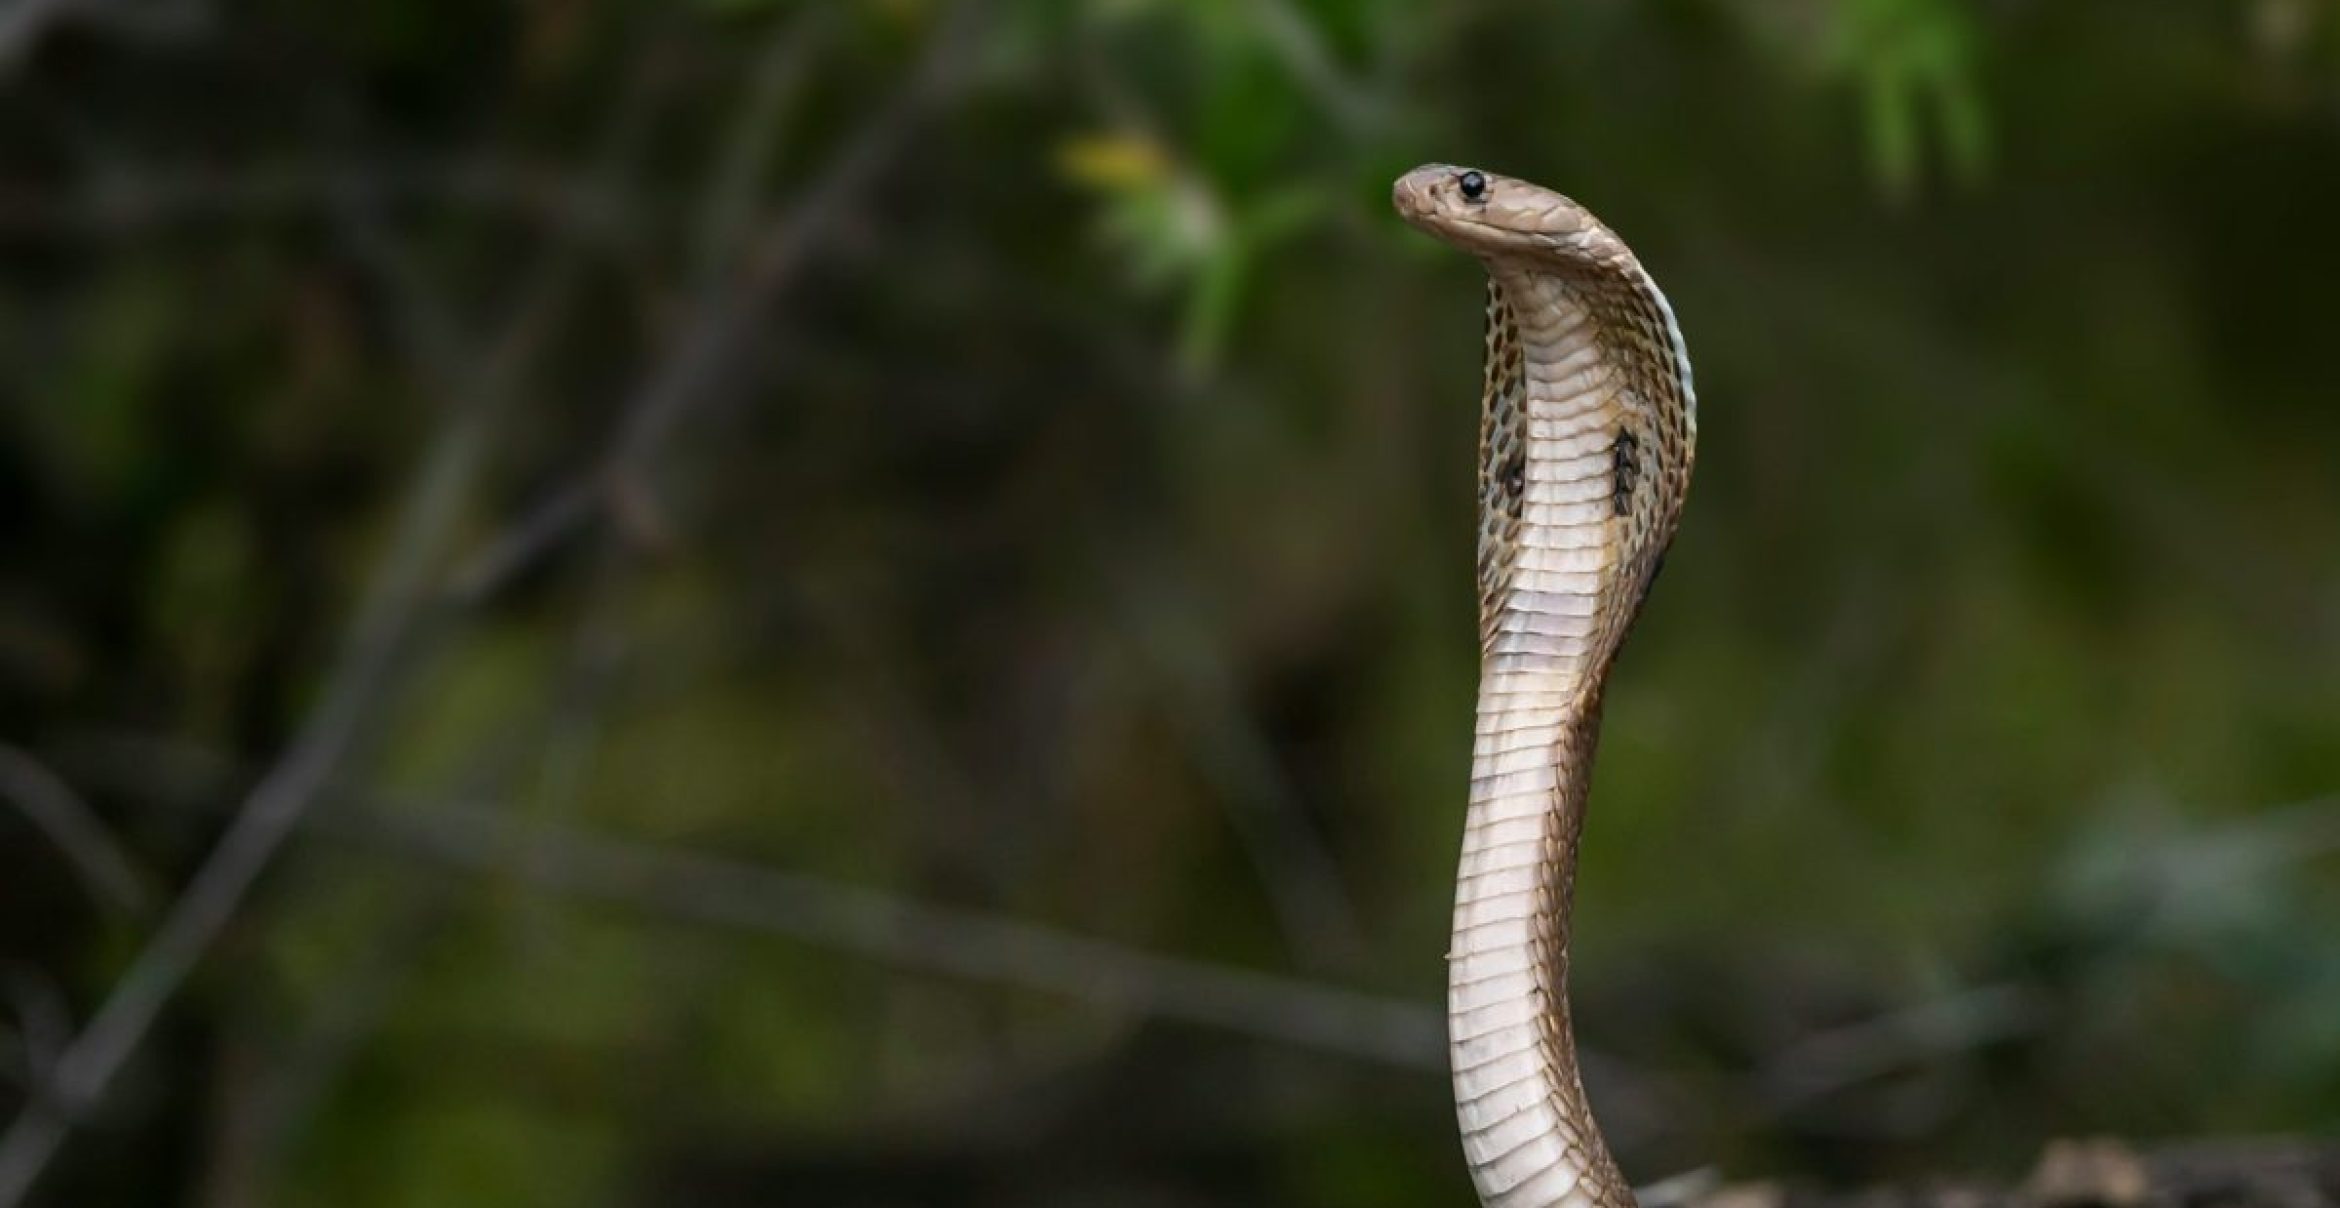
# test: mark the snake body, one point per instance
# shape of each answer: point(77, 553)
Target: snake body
point(1586, 437)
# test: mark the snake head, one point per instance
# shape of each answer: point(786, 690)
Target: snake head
point(1497, 217)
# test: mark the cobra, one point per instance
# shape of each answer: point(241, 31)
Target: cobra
point(1587, 428)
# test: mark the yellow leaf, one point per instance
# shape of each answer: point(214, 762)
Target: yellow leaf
point(1112, 162)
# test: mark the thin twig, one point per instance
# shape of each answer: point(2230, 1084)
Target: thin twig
point(961, 943)
point(285, 1091)
point(1295, 38)
point(127, 200)
point(397, 607)
point(1290, 859)
point(972, 944)
point(24, 22)
point(728, 206)
point(357, 684)
point(269, 815)
point(724, 316)
point(59, 813)
point(40, 1021)
point(1829, 1061)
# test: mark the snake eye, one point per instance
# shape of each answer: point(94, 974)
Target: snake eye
point(1473, 185)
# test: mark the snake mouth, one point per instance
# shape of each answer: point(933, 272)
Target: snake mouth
point(1485, 240)
point(1420, 196)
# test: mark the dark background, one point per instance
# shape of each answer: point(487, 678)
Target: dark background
point(870, 604)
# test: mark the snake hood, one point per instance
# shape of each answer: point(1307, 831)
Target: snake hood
point(1518, 225)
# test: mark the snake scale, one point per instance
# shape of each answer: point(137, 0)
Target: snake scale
point(1587, 427)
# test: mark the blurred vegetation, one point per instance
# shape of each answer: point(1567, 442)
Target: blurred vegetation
point(1001, 467)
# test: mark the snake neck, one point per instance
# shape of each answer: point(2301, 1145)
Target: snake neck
point(1584, 456)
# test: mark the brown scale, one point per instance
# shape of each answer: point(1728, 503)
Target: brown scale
point(1503, 451)
point(1651, 455)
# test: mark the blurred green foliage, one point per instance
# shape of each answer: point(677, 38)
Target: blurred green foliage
point(1079, 535)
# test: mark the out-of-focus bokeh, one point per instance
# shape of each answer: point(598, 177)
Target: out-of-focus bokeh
point(758, 602)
